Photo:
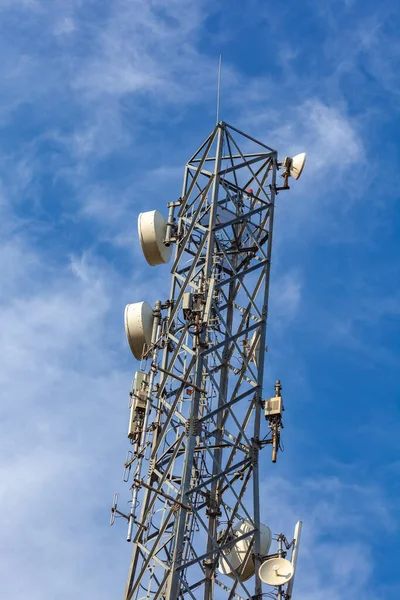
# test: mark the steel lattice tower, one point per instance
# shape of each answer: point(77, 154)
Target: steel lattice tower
point(194, 466)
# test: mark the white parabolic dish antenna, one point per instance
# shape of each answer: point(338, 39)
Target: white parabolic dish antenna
point(297, 166)
point(152, 228)
point(236, 554)
point(138, 326)
point(276, 571)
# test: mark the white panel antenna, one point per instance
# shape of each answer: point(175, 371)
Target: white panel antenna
point(255, 345)
point(295, 553)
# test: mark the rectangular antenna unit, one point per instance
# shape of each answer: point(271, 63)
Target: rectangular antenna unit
point(187, 304)
point(273, 406)
point(139, 400)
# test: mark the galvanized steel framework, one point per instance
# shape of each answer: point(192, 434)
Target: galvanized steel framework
point(194, 467)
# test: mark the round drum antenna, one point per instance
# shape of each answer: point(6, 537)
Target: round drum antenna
point(152, 229)
point(138, 326)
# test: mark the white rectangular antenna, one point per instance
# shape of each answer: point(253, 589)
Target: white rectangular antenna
point(295, 553)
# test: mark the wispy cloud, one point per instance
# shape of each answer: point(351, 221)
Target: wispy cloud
point(55, 354)
point(93, 104)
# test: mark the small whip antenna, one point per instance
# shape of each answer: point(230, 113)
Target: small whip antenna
point(219, 86)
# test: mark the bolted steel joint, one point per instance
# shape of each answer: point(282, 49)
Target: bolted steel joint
point(195, 429)
point(253, 454)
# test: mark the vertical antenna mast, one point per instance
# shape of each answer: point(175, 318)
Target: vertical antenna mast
point(196, 424)
point(219, 87)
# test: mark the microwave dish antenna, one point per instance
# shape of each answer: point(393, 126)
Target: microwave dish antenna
point(297, 165)
point(138, 327)
point(240, 559)
point(293, 167)
point(152, 229)
point(276, 571)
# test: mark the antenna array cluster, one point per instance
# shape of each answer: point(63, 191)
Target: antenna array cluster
point(196, 402)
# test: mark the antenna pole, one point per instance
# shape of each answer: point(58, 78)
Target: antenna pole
point(219, 87)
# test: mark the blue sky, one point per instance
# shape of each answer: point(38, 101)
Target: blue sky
point(101, 104)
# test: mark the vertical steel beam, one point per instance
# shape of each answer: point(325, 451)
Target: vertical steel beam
point(175, 577)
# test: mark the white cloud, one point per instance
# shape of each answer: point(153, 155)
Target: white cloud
point(65, 26)
point(285, 298)
point(333, 139)
point(19, 4)
point(63, 405)
point(330, 138)
point(144, 47)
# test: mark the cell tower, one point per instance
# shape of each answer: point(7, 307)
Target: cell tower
point(198, 417)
